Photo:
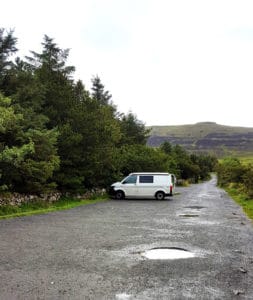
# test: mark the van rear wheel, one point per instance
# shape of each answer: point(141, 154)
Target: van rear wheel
point(119, 195)
point(159, 195)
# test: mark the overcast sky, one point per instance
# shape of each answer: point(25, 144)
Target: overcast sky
point(168, 61)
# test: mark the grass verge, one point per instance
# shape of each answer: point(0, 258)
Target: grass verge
point(242, 200)
point(10, 211)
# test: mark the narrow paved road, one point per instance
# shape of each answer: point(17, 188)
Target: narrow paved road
point(95, 251)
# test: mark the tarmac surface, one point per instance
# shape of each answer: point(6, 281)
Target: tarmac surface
point(97, 251)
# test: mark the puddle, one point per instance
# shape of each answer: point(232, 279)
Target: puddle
point(195, 207)
point(188, 216)
point(205, 222)
point(167, 253)
point(123, 296)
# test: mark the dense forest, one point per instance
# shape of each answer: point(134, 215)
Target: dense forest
point(56, 134)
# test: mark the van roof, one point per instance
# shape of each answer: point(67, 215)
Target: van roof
point(149, 173)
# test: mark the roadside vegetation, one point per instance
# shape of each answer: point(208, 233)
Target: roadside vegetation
point(42, 207)
point(57, 135)
point(236, 176)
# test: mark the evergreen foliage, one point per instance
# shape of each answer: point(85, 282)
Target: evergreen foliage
point(133, 130)
point(28, 158)
point(98, 91)
point(140, 158)
point(7, 49)
point(54, 133)
point(188, 166)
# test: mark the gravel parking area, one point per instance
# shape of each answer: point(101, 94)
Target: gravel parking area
point(97, 251)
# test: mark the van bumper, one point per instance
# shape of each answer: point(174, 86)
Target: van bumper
point(169, 194)
point(111, 191)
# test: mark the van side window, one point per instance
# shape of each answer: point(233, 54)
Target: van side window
point(146, 179)
point(130, 179)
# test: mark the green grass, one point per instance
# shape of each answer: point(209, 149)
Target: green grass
point(246, 160)
point(242, 200)
point(10, 211)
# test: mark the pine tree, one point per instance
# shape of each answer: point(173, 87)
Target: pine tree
point(99, 93)
point(28, 157)
point(133, 130)
point(52, 74)
point(7, 49)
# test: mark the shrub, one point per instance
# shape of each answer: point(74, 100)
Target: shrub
point(248, 181)
point(230, 170)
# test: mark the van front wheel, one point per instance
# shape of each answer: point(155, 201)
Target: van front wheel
point(159, 195)
point(119, 195)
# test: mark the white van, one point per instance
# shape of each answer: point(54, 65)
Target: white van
point(144, 185)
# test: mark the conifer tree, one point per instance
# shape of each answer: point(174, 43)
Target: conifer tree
point(99, 93)
point(7, 49)
point(28, 157)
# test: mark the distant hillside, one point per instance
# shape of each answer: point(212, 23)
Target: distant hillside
point(205, 136)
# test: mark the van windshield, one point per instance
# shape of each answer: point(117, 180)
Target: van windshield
point(130, 179)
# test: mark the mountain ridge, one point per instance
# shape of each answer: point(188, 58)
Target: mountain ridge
point(204, 137)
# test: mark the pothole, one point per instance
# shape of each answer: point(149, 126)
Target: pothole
point(188, 216)
point(195, 207)
point(123, 296)
point(168, 253)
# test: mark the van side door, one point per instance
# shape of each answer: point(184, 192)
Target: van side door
point(146, 186)
point(129, 186)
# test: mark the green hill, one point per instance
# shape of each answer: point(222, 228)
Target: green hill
point(205, 137)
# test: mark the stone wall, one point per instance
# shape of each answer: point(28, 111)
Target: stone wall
point(18, 199)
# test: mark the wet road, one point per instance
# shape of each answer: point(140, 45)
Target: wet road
point(96, 251)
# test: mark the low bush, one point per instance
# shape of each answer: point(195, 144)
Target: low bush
point(183, 182)
point(248, 180)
